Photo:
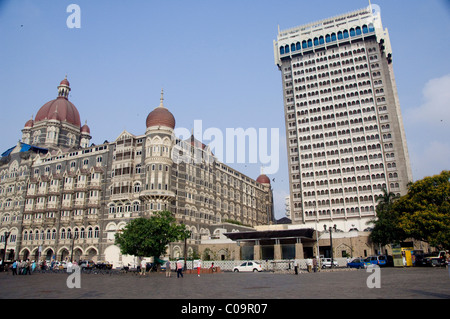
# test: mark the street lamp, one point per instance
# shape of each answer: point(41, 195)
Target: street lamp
point(73, 243)
point(7, 234)
point(331, 240)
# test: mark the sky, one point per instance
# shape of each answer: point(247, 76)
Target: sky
point(215, 61)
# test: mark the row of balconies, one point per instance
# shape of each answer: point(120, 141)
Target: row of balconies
point(67, 187)
point(63, 205)
point(67, 242)
point(91, 218)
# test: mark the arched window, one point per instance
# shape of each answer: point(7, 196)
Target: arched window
point(340, 35)
point(352, 32)
point(286, 48)
point(281, 50)
point(321, 40)
point(327, 38)
point(316, 41)
point(298, 46)
point(96, 232)
point(304, 44)
point(345, 34)
point(365, 29)
point(358, 31)
point(292, 47)
point(309, 43)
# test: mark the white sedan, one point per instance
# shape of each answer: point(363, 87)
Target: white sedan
point(248, 266)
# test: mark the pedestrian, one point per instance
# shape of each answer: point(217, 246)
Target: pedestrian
point(14, 268)
point(296, 266)
point(309, 264)
point(69, 267)
point(28, 267)
point(179, 269)
point(199, 267)
point(168, 268)
point(143, 267)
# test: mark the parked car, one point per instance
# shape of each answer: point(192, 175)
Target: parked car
point(248, 266)
point(380, 260)
point(356, 263)
point(326, 263)
point(60, 265)
point(87, 264)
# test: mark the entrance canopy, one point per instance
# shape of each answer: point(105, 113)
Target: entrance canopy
point(286, 235)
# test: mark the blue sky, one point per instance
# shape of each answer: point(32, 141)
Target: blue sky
point(214, 60)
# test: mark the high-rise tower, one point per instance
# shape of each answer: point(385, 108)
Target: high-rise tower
point(344, 130)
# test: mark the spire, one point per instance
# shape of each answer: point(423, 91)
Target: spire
point(161, 99)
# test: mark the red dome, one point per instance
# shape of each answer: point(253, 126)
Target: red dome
point(64, 82)
point(60, 109)
point(29, 123)
point(85, 129)
point(160, 117)
point(263, 179)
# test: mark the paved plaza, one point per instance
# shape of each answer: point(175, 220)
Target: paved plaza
point(395, 283)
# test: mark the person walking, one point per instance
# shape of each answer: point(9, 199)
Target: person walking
point(179, 269)
point(296, 266)
point(199, 267)
point(168, 268)
point(143, 267)
point(14, 268)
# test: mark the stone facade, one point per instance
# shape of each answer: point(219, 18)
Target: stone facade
point(62, 197)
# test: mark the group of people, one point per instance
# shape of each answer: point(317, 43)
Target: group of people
point(23, 267)
point(311, 265)
point(179, 268)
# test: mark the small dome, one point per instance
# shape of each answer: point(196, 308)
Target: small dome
point(160, 116)
point(29, 123)
point(65, 82)
point(263, 179)
point(85, 129)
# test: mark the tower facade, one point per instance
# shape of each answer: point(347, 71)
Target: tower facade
point(344, 130)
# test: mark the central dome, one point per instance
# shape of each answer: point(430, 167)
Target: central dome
point(161, 116)
point(61, 108)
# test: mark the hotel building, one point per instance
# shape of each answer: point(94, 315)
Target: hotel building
point(344, 129)
point(61, 195)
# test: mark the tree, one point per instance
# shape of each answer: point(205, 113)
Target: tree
point(425, 210)
point(386, 226)
point(150, 236)
point(423, 213)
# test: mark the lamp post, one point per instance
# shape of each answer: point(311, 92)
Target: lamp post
point(73, 237)
point(7, 234)
point(331, 241)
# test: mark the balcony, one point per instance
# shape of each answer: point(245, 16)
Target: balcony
point(157, 193)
